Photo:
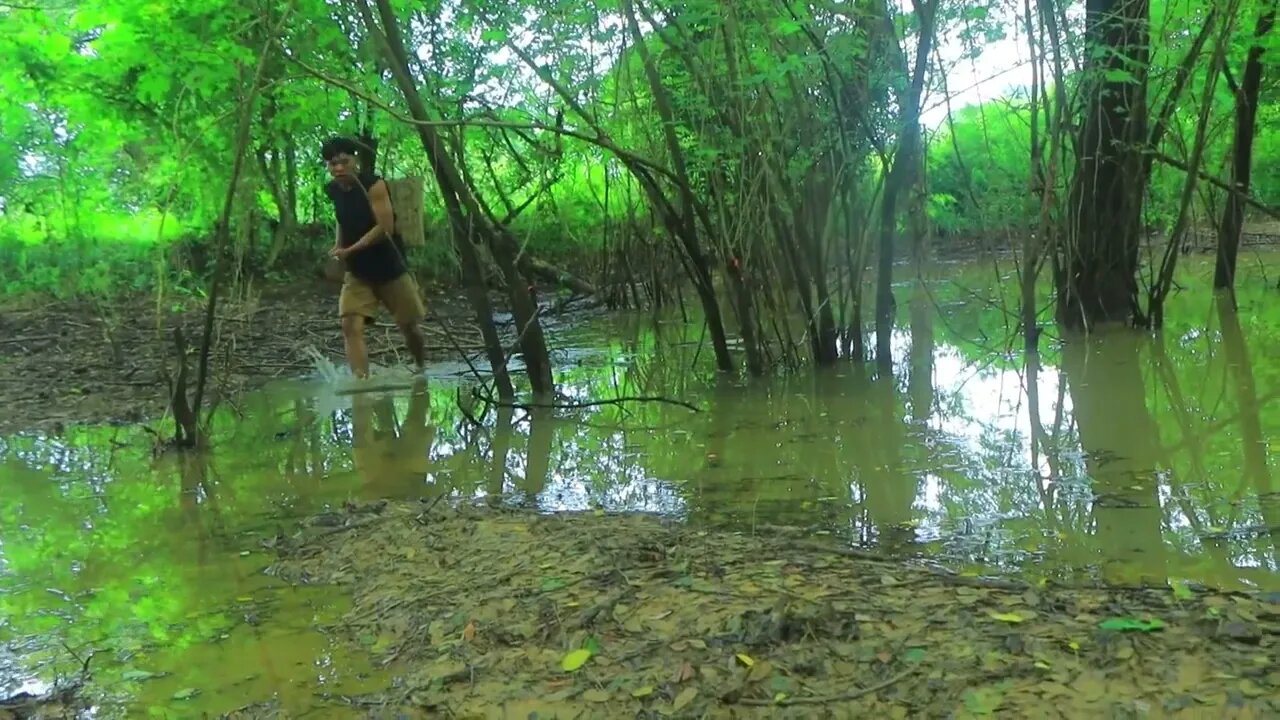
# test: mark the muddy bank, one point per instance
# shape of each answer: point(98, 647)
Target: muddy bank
point(75, 362)
point(488, 612)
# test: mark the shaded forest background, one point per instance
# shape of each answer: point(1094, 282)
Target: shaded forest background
point(767, 154)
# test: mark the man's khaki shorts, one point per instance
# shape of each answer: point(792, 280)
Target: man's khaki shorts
point(400, 297)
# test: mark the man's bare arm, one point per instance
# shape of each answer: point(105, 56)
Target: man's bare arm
point(380, 199)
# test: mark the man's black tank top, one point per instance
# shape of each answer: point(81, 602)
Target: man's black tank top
point(381, 262)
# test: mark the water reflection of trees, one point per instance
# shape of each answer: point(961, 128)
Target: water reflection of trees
point(1143, 459)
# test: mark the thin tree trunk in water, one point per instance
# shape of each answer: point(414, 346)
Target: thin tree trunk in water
point(900, 178)
point(1163, 283)
point(687, 219)
point(478, 295)
point(523, 308)
point(1100, 281)
point(1224, 274)
point(224, 225)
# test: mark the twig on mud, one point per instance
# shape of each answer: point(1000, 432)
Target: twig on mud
point(582, 405)
point(29, 338)
point(434, 502)
point(824, 699)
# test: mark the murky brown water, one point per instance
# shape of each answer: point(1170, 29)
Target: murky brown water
point(1130, 459)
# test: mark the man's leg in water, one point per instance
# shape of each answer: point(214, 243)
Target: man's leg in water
point(403, 300)
point(356, 304)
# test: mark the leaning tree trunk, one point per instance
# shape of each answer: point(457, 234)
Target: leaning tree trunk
point(1100, 283)
point(1224, 275)
point(465, 213)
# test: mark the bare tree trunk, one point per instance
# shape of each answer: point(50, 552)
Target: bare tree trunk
point(1100, 283)
point(901, 176)
point(1224, 275)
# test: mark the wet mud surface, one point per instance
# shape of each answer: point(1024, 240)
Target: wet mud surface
point(64, 363)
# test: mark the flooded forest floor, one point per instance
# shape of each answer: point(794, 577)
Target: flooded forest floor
point(505, 608)
point(627, 615)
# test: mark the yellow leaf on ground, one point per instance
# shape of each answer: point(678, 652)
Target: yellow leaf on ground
point(575, 660)
point(640, 692)
point(745, 659)
point(1006, 617)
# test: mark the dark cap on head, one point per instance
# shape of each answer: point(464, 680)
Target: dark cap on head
point(338, 145)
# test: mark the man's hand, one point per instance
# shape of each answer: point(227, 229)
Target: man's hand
point(340, 252)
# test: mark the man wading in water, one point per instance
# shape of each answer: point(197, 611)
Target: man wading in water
point(368, 244)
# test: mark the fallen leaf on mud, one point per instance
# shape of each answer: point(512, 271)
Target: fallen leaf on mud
point(596, 696)
point(1091, 689)
point(1131, 624)
point(1251, 689)
point(745, 659)
point(640, 692)
point(575, 660)
point(685, 697)
point(683, 673)
point(760, 671)
point(469, 632)
point(1012, 617)
point(1240, 632)
point(983, 701)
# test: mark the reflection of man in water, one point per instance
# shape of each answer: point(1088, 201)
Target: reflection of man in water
point(392, 459)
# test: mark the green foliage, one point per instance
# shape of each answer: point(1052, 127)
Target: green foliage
point(979, 169)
